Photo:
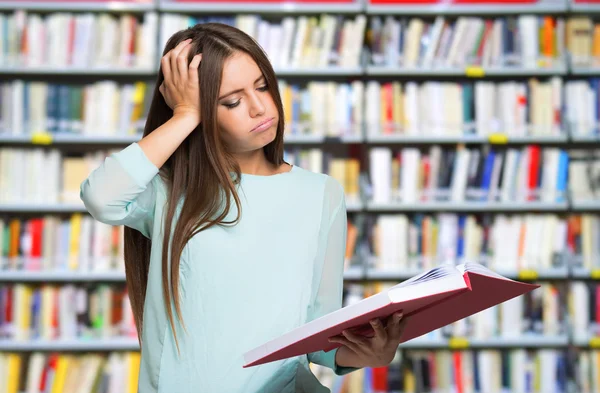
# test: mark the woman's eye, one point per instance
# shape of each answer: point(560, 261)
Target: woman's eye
point(231, 106)
point(263, 88)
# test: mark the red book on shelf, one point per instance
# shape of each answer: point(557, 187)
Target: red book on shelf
point(534, 169)
point(429, 300)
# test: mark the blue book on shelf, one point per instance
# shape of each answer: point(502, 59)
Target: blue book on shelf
point(460, 239)
point(467, 90)
point(487, 173)
point(51, 108)
point(561, 180)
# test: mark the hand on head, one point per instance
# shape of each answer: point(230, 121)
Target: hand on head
point(181, 85)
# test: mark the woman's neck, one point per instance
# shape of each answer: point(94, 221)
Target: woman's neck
point(255, 163)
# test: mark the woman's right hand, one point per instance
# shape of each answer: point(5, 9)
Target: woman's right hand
point(181, 86)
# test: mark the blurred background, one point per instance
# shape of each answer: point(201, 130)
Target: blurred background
point(462, 130)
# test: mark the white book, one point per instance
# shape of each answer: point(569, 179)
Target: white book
point(433, 41)
point(146, 54)
point(381, 174)
point(411, 108)
point(528, 31)
point(275, 42)
point(289, 31)
point(34, 372)
point(459, 176)
point(35, 40)
point(458, 38)
point(125, 37)
point(411, 158)
point(299, 40)
point(372, 107)
point(358, 105)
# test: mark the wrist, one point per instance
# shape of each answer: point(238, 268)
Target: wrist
point(187, 116)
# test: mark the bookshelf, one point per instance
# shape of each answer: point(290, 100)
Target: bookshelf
point(361, 270)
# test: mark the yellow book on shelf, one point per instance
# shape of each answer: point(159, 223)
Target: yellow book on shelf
point(25, 305)
point(74, 241)
point(287, 104)
point(14, 370)
point(133, 359)
point(139, 93)
point(62, 366)
point(409, 381)
point(15, 230)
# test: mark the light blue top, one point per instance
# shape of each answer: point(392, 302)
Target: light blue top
point(241, 286)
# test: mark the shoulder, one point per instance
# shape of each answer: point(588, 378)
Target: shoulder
point(332, 190)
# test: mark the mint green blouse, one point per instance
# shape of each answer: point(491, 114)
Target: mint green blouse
point(240, 286)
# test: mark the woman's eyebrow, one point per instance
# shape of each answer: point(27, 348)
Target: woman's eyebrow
point(238, 90)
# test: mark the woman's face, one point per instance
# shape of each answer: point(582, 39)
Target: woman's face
point(244, 104)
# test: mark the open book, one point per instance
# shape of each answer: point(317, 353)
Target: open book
point(430, 300)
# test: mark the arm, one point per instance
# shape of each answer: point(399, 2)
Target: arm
point(122, 191)
point(332, 245)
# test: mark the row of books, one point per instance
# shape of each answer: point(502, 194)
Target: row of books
point(433, 108)
point(62, 312)
point(387, 242)
point(90, 312)
point(540, 313)
point(77, 243)
point(99, 108)
point(412, 174)
point(292, 42)
point(507, 243)
point(116, 372)
point(473, 371)
point(41, 175)
point(327, 108)
point(408, 175)
point(525, 40)
point(101, 40)
point(81, 40)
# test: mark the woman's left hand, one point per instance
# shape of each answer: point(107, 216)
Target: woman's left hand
point(379, 350)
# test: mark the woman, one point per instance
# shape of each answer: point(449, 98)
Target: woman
point(256, 245)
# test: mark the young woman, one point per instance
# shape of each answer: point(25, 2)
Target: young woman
point(226, 245)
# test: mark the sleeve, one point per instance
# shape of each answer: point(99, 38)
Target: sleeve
point(122, 191)
point(331, 280)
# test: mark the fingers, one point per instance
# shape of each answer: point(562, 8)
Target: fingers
point(182, 62)
point(167, 62)
point(344, 341)
point(193, 68)
point(397, 326)
point(356, 339)
point(380, 332)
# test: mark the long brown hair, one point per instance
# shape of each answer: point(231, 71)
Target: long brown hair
point(200, 168)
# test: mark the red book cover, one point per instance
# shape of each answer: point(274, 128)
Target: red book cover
point(534, 169)
point(597, 310)
point(458, 376)
point(431, 300)
point(37, 227)
point(380, 378)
